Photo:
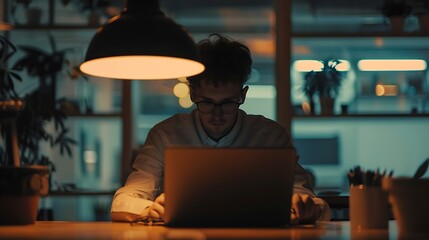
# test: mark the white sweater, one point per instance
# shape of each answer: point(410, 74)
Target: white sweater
point(145, 183)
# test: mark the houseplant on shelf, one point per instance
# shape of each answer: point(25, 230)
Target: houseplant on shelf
point(325, 84)
point(24, 171)
point(33, 14)
point(396, 11)
point(421, 10)
point(96, 9)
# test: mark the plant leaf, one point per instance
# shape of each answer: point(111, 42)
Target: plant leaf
point(16, 76)
point(422, 169)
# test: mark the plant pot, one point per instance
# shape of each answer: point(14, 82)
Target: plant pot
point(20, 191)
point(94, 19)
point(327, 106)
point(34, 16)
point(409, 199)
point(397, 24)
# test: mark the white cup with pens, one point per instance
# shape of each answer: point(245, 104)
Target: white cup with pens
point(369, 208)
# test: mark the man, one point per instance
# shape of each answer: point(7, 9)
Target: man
point(217, 122)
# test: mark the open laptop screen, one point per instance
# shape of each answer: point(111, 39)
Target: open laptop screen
point(222, 187)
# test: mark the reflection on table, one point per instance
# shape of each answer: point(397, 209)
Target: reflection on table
point(108, 230)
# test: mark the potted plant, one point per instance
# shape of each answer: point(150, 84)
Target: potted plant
point(24, 170)
point(96, 8)
point(33, 14)
point(325, 84)
point(75, 106)
point(421, 10)
point(396, 11)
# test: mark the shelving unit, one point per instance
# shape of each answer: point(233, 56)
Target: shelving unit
point(358, 34)
point(49, 8)
point(367, 115)
point(54, 27)
point(368, 136)
point(350, 46)
point(79, 192)
point(68, 169)
point(94, 115)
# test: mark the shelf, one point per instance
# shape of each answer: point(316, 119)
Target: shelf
point(82, 192)
point(53, 27)
point(367, 115)
point(358, 34)
point(94, 115)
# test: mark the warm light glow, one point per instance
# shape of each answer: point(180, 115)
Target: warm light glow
point(392, 65)
point(141, 67)
point(307, 65)
point(185, 102)
point(264, 47)
point(379, 42)
point(301, 49)
point(182, 79)
point(379, 90)
point(315, 65)
point(89, 156)
point(4, 26)
point(181, 90)
point(306, 108)
point(343, 65)
point(386, 90)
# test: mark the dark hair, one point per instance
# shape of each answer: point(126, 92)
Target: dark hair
point(226, 60)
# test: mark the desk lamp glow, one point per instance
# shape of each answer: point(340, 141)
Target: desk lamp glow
point(142, 44)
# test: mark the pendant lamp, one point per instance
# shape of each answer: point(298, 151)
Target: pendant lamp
point(142, 44)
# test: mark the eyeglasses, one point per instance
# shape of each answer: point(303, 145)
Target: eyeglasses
point(226, 107)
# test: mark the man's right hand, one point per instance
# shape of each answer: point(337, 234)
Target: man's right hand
point(156, 210)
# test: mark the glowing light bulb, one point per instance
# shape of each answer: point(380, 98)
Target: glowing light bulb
point(186, 102)
point(181, 90)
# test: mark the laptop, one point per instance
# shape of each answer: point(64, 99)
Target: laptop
point(228, 187)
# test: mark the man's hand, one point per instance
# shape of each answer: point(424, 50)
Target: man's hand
point(304, 209)
point(156, 210)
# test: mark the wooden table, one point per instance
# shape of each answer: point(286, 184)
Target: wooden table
point(108, 230)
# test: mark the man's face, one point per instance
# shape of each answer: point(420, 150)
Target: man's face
point(217, 123)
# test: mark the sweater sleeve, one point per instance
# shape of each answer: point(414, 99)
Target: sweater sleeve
point(302, 185)
point(142, 185)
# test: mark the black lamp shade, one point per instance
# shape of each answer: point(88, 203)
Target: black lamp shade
point(152, 46)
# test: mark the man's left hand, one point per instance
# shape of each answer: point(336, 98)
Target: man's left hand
point(304, 209)
point(156, 210)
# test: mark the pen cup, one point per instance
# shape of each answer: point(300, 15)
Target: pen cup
point(369, 208)
point(409, 199)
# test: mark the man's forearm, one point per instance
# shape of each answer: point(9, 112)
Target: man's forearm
point(128, 208)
